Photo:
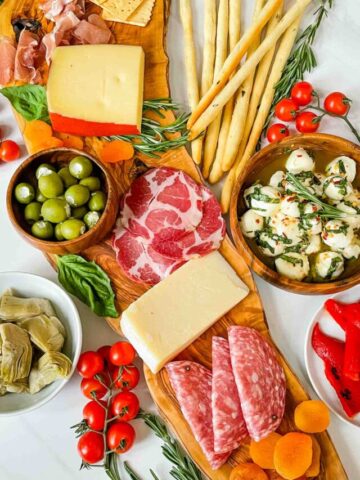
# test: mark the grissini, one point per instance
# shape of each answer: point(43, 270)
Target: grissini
point(234, 59)
point(282, 55)
point(212, 133)
point(207, 75)
point(234, 36)
point(247, 68)
point(190, 68)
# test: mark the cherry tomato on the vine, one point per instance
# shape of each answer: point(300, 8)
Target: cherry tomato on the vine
point(277, 132)
point(9, 151)
point(120, 437)
point(91, 387)
point(125, 406)
point(105, 352)
point(95, 414)
point(90, 364)
point(302, 93)
point(307, 122)
point(126, 378)
point(91, 447)
point(286, 110)
point(337, 103)
point(122, 353)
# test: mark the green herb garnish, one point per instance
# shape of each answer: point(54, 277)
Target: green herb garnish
point(29, 101)
point(292, 260)
point(259, 196)
point(333, 266)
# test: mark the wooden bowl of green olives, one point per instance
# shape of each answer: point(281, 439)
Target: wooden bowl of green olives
point(62, 200)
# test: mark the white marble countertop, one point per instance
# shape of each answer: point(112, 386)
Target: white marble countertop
point(41, 445)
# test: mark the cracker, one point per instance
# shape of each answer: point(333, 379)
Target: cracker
point(140, 17)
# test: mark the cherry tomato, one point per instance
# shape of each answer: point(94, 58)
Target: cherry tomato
point(91, 387)
point(125, 406)
point(302, 93)
point(126, 378)
point(122, 353)
point(286, 110)
point(90, 364)
point(91, 447)
point(337, 103)
point(277, 132)
point(95, 415)
point(105, 353)
point(120, 437)
point(9, 151)
point(306, 122)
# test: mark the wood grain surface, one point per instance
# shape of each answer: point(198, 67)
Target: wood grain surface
point(249, 312)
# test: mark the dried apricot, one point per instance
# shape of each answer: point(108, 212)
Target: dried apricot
point(312, 416)
point(314, 469)
point(116, 151)
point(36, 131)
point(262, 452)
point(293, 455)
point(71, 141)
point(247, 471)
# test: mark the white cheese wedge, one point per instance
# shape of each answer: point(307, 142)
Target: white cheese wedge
point(175, 312)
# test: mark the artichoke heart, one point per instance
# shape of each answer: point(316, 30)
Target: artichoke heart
point(19, 386)
point(47, 333)
point(50, 367)
point(14, 308)
point(16, 353)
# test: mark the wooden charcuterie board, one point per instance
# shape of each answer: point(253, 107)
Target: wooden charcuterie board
point(248, 313)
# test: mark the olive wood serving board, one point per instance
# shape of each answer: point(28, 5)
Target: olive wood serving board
point(248, 313)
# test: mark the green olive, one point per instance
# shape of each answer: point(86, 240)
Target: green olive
point(32, 212)
point(55, 210)
point(51, 185)
point(72, 228)
point(77, 195)
point(79, 212)
point(66, 177)
point(42, 229)
point(80, 167)
point(44, 169)
point(92, 183)
point(58, 233)
point(91, 219)
point(97, 201)
point(24, 193)
point(40, 197)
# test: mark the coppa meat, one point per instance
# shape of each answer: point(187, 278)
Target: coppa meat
point(192, 385)
point(228, 421)
point(260, 381)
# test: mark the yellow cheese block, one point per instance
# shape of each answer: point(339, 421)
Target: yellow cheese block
point(140, 17)
point(172, 314)
point(97, 83)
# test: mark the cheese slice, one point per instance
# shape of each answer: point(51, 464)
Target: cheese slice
point(96, 89)
point(140, 17)
point(170, 316)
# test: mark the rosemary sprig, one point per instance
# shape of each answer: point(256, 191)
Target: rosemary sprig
point(131, 472)
point(184, 468)
point(157, 104)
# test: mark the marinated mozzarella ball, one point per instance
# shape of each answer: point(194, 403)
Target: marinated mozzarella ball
point(329, 265)
point(287, 227)
point(318, 184)
point(343, 166)
point(305, 178)
point(352, 251)
point(314, 245)
point(293, 265)
point(299, 161)
point(277, 180)
point(337, 187)
point(311, 221)
point(337, 234)
point(351, 203)
point(270, 244)
point(251, 223)
point(264, 200)
point(289, 205)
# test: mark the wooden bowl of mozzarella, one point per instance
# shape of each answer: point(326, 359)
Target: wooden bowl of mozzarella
point(280, 236)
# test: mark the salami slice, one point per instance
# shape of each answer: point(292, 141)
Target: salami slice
point(228, 421)
point(260, 381)
point(192, 385)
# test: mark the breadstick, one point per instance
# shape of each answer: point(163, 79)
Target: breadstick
point(209, 45)
point(234, 59)
point(212, 133)
point(234, 36)
point(190, 67)
point(249, 66)
point(282, 55)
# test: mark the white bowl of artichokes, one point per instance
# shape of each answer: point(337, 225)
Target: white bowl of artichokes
point(40, 341)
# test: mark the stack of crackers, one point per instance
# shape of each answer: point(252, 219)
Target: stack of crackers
point(132, 12)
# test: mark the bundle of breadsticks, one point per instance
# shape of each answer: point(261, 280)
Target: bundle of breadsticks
point(233, 99)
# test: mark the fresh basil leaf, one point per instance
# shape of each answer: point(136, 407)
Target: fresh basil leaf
point(88, 282)
point(28, 100)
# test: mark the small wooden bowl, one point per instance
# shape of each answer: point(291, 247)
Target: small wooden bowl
point(336, 146)
point(26, 173)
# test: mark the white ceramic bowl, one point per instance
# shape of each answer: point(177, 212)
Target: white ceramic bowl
point(314, 364)
point(29, 285)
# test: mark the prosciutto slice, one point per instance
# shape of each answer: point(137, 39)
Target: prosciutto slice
point(29, 56)
point(7, 60)
point(92, 31)
point(61, 34)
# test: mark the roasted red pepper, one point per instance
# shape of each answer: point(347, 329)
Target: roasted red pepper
point(337, 311)
point(332, 352)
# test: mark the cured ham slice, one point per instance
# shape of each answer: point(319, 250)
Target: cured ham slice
point(61, 34)
point(54, 8)
point(192, 384)
point(260, 381)
point(92, 31)
point(29, 57)
point(7, 60)
point(228, 421)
